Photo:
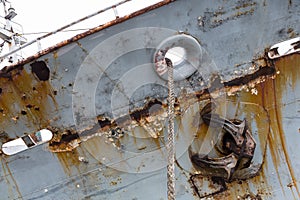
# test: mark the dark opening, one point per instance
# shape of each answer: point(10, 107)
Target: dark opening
point(29, 106)
point(40, 69)
point(66, 137)
point(104, 122)
point(69, 136)
point(150, 108)
point(28, 141)
point(263, 71)
point(23, 112)
point(296, 45)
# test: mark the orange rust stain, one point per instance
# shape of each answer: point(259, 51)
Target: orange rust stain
point(69, 161)
point(259, 181)
point(56, 63)
point(134, 136)
point(289, 70)
point(288, 67)
point(276, 159)
point(55, 55)
point(160, 143)
point(71, 164)
point(269, 98)
point(255, 107)
point(270, 94)
point(262, 135)
point(25, 98)
point(101, 149)
point(201, 133)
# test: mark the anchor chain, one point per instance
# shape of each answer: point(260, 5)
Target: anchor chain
point(171, 140)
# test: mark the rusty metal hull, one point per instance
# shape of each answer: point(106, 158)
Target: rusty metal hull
point(100, 96)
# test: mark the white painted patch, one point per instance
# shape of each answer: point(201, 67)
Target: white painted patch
point(284, 48)
point(18, 145)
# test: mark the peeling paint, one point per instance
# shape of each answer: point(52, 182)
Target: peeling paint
point(31, 102)
point(65, 142)
point(214, 18)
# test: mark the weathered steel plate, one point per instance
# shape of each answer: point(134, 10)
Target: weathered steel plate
point(105, 105)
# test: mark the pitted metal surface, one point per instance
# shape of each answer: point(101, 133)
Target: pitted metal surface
point(97, 103)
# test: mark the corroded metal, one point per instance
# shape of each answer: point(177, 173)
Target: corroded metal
point(119, 153)
point(236, 144)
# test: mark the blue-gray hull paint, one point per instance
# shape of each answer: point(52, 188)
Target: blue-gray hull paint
point(242, 35)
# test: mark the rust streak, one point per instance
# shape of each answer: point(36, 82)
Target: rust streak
point(147, 115)
point(286, 65)
point(69, 161)
point(270, 94)
point(276, 159)
point(268, 91)
point(25, 99)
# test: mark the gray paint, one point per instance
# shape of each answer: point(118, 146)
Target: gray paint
point(40, 175)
